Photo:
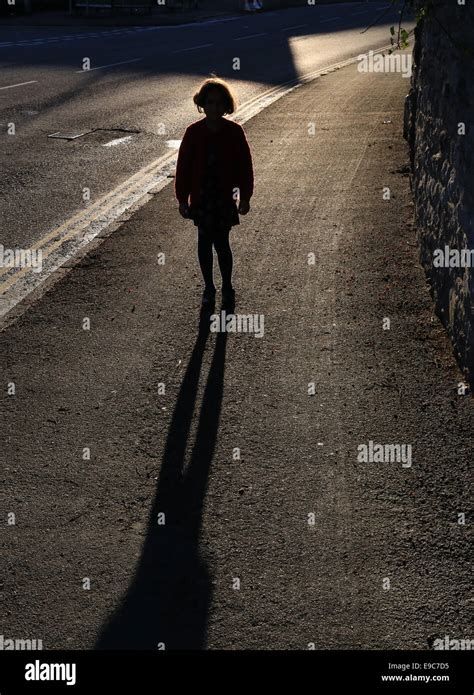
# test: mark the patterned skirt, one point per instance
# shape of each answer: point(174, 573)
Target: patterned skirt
point(215, 214)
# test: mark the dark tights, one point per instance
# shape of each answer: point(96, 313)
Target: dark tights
point(220, 239)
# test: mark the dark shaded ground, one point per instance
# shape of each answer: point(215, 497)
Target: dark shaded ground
point(174, 452)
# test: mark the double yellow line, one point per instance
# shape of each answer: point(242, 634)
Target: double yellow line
point(84, 218)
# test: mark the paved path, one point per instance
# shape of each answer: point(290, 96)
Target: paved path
point(385, 563)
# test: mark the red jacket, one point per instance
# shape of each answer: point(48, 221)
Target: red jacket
point(234, 161)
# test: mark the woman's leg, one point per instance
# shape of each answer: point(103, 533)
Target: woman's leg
point(205, 256)
point(224, 256)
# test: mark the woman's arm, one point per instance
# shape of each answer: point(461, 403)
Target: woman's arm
point(245, 168)
point(182, 182)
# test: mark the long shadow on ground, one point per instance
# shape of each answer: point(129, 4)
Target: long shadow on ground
point(169, 599)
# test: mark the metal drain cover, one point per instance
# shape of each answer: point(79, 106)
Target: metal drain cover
point(97, 135)
point(65, 135)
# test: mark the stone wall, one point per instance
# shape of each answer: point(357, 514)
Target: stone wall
point(440, 101)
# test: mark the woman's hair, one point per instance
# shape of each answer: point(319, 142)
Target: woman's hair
point(228, 96)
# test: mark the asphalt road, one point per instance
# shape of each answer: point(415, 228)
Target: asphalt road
point(141, 80)
point(275, 534)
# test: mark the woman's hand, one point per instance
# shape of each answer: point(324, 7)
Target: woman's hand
point(184, 210)
point(244, 207)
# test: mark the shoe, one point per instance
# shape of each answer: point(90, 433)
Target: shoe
point(208, 297)
point(228, 298)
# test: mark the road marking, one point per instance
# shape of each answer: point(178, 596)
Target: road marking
point(362, 12)
point(296, 26)
point(332, 19)
point(111, 65)
point(73, 238)
point(20, 84)
point(193, 48)
point(86, 224)
point(228, 19)
point(118, 141)
point(132, 30)
point(252, 36)
point(209, 21)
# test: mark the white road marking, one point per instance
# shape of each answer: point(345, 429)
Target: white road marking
point(114, 32)
point(111, 65)
point(362, 12)
point(118, 141)
point(297, 26)
point(252, 36)
point(193, 48)
point(173, 144)
point(332, 19)
point(218, 21)
point(194, 25)
point(20, 84)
